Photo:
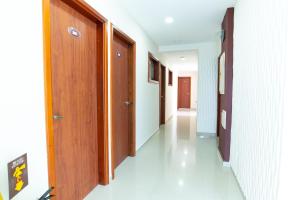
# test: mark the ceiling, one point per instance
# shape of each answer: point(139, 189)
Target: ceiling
point(194, 20)
point(174, 61)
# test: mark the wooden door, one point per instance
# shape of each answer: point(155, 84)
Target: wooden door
point(184, 92)
point(74, 90)
point(120, 99)
point(163, 95)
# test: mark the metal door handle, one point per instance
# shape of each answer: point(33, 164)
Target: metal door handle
point(57, 117)
point(127, 103)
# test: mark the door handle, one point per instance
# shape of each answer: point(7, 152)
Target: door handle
point(57, 117)
point(127, 103)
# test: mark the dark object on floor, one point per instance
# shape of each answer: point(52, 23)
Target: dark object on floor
point(47, 194)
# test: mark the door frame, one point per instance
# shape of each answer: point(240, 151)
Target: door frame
point(190, 91)
point(132, 95)
point(102, 82)
point(161, 122)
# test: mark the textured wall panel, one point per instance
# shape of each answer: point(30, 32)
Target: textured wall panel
point(258, 79)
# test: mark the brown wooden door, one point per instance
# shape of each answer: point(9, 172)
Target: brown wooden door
point(120, 99)
point(184, 92)
point(74, 89)
point(163, 95)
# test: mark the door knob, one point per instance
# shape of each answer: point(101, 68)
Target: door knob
point(57, 117)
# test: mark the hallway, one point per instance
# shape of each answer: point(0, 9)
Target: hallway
point(174, 164)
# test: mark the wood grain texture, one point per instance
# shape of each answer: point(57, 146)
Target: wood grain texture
point(184, 92)
point(122, 43)
point(120, 95)
point(74, 90)
point(86, 10)
point(132, 98)
point(102, 75)
point(99, 162)
point(48, 92)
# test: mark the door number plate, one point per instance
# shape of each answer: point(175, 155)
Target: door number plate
point(73, 31)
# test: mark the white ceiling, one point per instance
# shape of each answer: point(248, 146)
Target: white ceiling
point(173, 60)
point(194, 20)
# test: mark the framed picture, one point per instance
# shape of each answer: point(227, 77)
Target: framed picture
point(222, 74)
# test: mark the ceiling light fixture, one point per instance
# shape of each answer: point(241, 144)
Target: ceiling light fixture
point(182, 58)
point(169, 20)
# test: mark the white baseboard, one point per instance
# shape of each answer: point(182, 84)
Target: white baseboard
point(206, 135)
point(154, 133)
point(171, 116)
point(224, 163)
point(239, 185)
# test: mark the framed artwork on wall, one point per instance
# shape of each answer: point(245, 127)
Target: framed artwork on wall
point(222, 74)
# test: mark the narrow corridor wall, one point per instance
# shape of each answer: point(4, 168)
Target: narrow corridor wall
point(208, 53)
point(171, 90)
point(147, 95)
point(290, 160)
point(22, 118)
point(22, 127)
point(207, 87)
point(258, 79)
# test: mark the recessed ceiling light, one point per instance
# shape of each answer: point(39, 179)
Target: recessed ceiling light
point(169, 20)
point(182, 58)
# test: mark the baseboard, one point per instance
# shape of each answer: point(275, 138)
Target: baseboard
point(206, 135)
point(224, 163)
point(240, 188)
point(154, 133)
point(169, 118)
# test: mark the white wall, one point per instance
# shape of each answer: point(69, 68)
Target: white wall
point(171, 96)
point(171, 90)
point(290, 159)
point(22, 118)
point(207, 87)
point(22, 127)
point(188, 67)
point(208, 53)
point(194, 85)
point(259, 50)
point(147, 95)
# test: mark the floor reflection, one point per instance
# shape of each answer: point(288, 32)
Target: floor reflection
point(174, 164)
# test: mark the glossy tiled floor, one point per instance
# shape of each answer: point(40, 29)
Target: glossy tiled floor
point(174, 164)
